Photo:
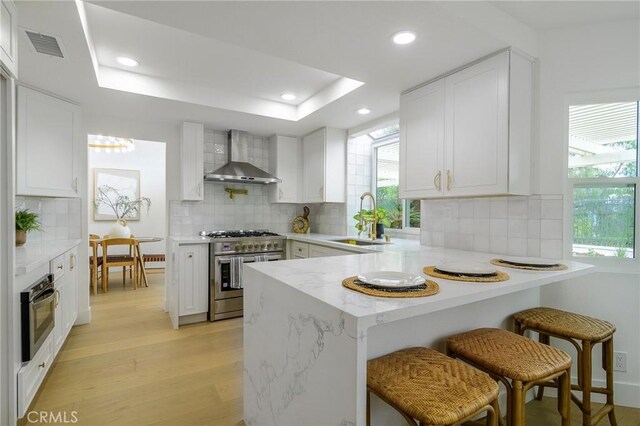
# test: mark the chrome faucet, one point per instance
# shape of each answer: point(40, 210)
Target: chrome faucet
point(372, 232)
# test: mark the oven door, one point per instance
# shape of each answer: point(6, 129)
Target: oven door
point(222, 273)
point(42, 314)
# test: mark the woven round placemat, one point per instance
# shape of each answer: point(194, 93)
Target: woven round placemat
point(499, 276)
point(500, 262)
point(429, 288)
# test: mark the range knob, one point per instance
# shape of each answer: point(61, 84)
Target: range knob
point(275, 245)
point(237, 247)
point(268, 245)
point(243, 247)
point(263, 246)
point(250, 246)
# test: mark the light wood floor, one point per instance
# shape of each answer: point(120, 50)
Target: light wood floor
point(129, 367)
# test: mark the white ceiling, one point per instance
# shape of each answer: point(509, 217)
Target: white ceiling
point(304, 46)
point(547, 15)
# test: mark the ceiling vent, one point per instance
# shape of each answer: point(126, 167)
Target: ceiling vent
point(45, 44)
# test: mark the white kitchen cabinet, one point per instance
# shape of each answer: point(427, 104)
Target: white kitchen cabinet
point(192, 162)
point(322, 251)
point(66, 295)
point(469, 133)
point(48, 145)
point(31, 375)
point(422, 141)
point(284, 163)
point(9, 37)
point(300, 250)
point(324, 166)
point(193, 277)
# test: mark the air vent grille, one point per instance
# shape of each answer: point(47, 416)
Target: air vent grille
point(45, 44)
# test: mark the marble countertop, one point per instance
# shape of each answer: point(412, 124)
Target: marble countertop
point(191, 240)
point(34, 254)
point(321, 279)
point(396, 244)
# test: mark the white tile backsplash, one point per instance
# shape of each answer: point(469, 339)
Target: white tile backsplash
point(506, 225)
point(60, 217)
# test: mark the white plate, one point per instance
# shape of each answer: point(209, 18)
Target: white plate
point(531, 261)
point(467, 268)
point(391, 279)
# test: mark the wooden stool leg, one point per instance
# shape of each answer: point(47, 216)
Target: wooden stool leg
point(105, 279)
point(517, 405)
point(544, 339)
point(493, 413)
point(564, 397)
point(368, 407)
point(607, 361)
point(585, 372)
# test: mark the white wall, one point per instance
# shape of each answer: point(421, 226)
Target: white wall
point(593, 58)
point(149, 158)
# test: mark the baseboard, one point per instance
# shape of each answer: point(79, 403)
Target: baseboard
point(84, 317)
point(625, 394)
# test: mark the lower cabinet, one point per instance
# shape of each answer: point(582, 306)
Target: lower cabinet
point(300, 250)
point(193, 279)
point(32, 374)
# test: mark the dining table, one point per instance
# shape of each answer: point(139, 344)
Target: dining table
point(95, 242)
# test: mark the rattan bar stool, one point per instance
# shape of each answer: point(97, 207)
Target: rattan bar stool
point(574, 328)
point(426, 385)
point(519, 363)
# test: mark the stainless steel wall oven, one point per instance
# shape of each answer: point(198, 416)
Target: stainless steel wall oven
point(38, 313)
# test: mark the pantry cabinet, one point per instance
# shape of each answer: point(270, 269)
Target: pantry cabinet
point(9, 38)
point(469, 133)
point(65, 272)
point(48, 145)
point(324, 166)
point(192, 162)
point(284, 163)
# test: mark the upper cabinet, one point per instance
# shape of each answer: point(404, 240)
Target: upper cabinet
point(324, 166)
point(284, 163)
point(192, 162)
point(8, 37)
point(48, 144)
point(469, 133)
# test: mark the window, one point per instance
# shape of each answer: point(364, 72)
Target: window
point(400, 214)
point(603, 176)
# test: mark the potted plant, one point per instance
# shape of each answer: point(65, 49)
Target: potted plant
point(367, 219)
point(26, 221)
point(123, 208)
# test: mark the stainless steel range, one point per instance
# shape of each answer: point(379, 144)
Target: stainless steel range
point(229, 250)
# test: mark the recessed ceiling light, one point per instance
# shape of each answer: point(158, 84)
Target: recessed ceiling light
point(127, 62)
point(288, 96)
point(404, 37)
point(363, 111)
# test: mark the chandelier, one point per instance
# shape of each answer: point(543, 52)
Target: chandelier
point(112, 144)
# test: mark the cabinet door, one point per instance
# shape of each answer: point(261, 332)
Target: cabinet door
point(70, 311)
point(422, 142)
point(9, 37)
point(476, 129)
point(192, 162)
point(321, 251)
point(283, 163)
point(48, 141)
point(313, 166)
point(59, 328)
point(194, 279)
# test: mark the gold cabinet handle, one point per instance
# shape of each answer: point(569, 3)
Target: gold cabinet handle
point(437, 180)
point(449, 175)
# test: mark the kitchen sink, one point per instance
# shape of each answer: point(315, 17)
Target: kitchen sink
point(356, 242)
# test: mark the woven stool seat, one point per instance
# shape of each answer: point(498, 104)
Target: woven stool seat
point(517, 362)
point(508, 354)
point(567, 324)
point(429, 386)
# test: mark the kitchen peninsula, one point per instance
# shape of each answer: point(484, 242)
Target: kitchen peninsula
point(307, 339)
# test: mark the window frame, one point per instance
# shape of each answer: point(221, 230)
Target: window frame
point(609, 263)
point(377, 143)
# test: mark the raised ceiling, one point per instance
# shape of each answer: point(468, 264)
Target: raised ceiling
point(191, 48)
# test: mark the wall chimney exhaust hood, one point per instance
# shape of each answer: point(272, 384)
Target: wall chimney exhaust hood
point(238, 169)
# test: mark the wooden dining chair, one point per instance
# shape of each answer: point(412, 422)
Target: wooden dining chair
point(119, 260)
point(95, 262)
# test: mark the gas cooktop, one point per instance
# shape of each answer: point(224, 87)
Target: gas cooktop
point(240, 233)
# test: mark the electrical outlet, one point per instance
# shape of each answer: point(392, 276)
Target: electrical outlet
point(620, 361)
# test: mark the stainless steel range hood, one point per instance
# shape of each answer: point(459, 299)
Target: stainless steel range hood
point(238, 169)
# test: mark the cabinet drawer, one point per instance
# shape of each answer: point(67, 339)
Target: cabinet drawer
point(57, 267)
point(32, 373)
point(319, 251)
point(300, 250)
